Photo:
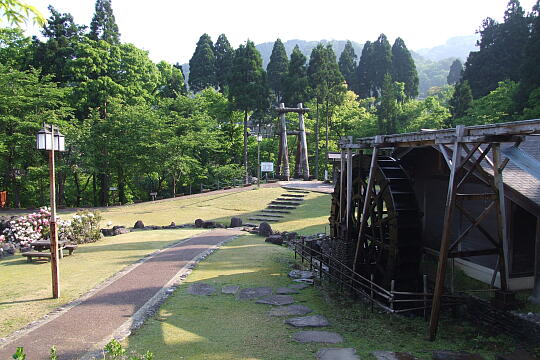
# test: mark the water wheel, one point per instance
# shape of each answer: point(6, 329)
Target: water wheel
point(390, 247)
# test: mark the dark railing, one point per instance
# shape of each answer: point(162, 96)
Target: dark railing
point(390, 300)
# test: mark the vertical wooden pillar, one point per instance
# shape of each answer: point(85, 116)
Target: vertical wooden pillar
point(367, 197)
point(341, 183)
point(284, 146)
point(304, 163)
point(55, 270)
point(501, 214)
point(535, 297)
point(349, 186)
point(446, 232)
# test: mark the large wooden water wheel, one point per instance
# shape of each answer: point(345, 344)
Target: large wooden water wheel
point(390, 247)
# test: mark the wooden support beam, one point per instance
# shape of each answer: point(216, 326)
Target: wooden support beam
point(341, 183)
point(349, 185)
point(480, 228)
point(304, 163)
point(483, 196)
point(501, 215)
point(367, 198)
point(286, 173)
point(475, 224)
point(446, 232)
point(471, 253)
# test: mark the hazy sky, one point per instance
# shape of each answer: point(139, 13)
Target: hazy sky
point(169, 29)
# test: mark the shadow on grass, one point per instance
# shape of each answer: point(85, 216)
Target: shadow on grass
point(24, 301)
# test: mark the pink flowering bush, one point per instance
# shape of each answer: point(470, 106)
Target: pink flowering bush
point(81, 228)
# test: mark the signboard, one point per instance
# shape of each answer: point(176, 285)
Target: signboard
point(267, 166)
point(112, 188)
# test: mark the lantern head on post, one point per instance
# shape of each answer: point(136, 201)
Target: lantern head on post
point(49, 136)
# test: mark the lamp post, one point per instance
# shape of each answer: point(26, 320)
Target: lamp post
point(259, 139)
point(50, 139)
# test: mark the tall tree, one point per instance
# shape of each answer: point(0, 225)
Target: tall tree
point(501, 51)
point(202, 65)
point(363, 72)
point(171, 81)
point(277, 70)
point(103, 25)
point(296, 82)
point(326, 84)
point(381, 65)
point(456, 70)
point(461, 101)
point(248, 90)
point(530, 76)
point(403, 68)
point(388, 108)
point(347, 64)
point(224, 54)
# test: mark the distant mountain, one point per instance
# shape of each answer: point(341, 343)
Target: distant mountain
point(456, 47)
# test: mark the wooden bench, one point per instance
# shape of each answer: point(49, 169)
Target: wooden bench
point(71, 248)
point(36, 254)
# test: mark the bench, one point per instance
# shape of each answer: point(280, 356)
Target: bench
point(36, 254)
point(71, 248)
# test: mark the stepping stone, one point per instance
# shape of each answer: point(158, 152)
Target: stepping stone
point(299, 201)
point(281, 207)
point(293, 195)
point(318, 337)
point(337, 354)
point(290, 203)
point(390, 355)
point(230, 289)
point(270, 211)
point(278, 300)
point(286, 290)
point(201, 289)
point(304, 281)
point(301, 286)
point(297, 191)
point(516, 355)
point(254, 293)
point(289, 310)
point(301, 274)
point(308, 321)
point(455, 355)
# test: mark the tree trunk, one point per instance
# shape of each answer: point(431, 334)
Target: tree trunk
point(103, 189)
point(174, 185)
point(326, 146)
point(121, 186)
point(317, 143)
point(245, 148)
point(77, 189)
point(94, 190)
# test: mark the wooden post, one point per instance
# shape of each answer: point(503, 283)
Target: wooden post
point(349, 186)
point(341, 184)
point(367, 197)
point(501, 214)
point(304, 163)
point(284, 146)
point(55, 269)
point(535, 297)
point(446, 231)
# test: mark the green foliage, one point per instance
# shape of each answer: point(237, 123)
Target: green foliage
point(381, 64)
point(389, 107)
point(224, 57)
point(461, 100)
point(19, 354)
point(17, 12)
point(202, 65)
point(171, 81)
point(404, 69)
point(532, 111)
point(15, 48)
point(115, 351)
point(296, 89)
point(277, 70)
point(423, 114)
point(530, 76)
point(347, 64)
point(325, 79)
point(363, 85)
point(456, 70)
point(103, 25)
point(85, 227)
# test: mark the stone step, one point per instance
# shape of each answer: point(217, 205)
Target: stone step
point(270, 211)
point(276, 202)
point(293, 195)
point(337, 354)
point(317, 337)
point(308, 321)
point(297, 191)
point(256, 218)
point(270, 215)
point(299, 201)
point(282, 207)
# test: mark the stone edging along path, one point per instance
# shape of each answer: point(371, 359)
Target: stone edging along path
point(104, 310)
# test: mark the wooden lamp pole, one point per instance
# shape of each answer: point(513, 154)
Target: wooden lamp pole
point(55, 269)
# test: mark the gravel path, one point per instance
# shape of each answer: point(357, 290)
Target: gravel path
point(93, 321)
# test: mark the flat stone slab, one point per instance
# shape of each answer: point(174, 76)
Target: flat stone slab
point(390, 355)
point(455, 355)
point(254, 293)
point(299, 286)
point(278, 300)
point(304, 281)
point(290, 310)
point(516, 355)
point(301, 274)
point(308, 321)
point(337, 354)
point(318, 337)
point(230, 289)
point(201, 289)
point(286, 290)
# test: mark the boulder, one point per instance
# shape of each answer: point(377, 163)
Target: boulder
point(138, 225)
point(274, 239)
point(265, 229)
point(219, 226)
point(172, 225)
point(209, 224)
point(8, 249)
point(236, 222)
point(301, 274)
point(120, 230)
point(107, 232)
point(199, 223)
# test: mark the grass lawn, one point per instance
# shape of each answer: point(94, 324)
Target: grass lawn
point(218, 327)
point(25, 289)
point(25, 293)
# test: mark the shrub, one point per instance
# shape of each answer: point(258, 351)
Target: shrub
point(83, 227)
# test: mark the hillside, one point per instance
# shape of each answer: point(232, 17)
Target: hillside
point(456, 47)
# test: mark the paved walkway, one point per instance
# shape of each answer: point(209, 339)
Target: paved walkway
point(317, 186)
point(76, 331)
